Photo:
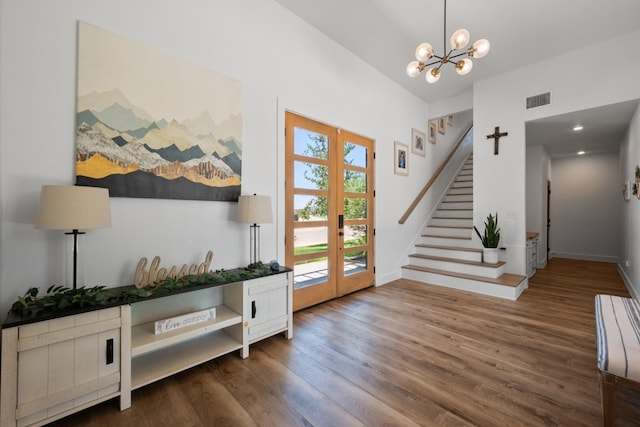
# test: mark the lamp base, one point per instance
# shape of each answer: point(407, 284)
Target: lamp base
point(255, 265)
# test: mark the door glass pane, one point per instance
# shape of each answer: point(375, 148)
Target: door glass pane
point(309, 208)
point(313, 270)
point(355, 208)
point(355, 235)
point(310, 273)
point(355, 182)
point(309, 240)
point(310, 176)
point(311, 144)
point(355, 155)
point(354, 262)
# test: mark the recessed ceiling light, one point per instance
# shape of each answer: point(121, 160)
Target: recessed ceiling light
point(580, 153)
point(577, 128)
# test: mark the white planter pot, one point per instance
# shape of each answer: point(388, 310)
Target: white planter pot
point(490, 255)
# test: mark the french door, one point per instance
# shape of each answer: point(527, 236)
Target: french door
point(329, 194)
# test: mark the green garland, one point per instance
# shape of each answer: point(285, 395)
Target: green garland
point(60, 297)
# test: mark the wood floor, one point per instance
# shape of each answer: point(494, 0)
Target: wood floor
point(406, 354)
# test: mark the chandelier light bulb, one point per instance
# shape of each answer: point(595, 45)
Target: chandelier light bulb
point(424, 51)
point(464, 66)
point(413, 69)
point(459, 39)
point(433, 75)
point(480, 48)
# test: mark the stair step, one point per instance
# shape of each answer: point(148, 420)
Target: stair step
point(507, 279)
point(458, 198)
point(460, 190)
point(432, 239)
point(455, 213)
point(456, 205)
point(448, 231)
point(470, 267)
point(449, 251)
point(451, 222)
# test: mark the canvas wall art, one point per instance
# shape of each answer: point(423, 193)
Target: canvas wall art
point(153, 126)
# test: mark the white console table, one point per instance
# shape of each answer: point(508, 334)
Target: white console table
point(62, 364)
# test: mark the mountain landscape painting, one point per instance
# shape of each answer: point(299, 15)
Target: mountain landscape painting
point(152, 126)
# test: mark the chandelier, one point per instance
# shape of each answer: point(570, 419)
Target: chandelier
point(459, 39)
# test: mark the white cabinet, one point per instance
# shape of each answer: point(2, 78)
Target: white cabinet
point(52, 368)
point(55, 367)
point(268, 307)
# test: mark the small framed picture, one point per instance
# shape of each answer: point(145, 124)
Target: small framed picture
point(441, 125)
point(450, 120)
point(417, 142)
point(401, 158)
point(432, 131)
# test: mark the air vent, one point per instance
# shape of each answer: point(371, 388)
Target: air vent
point(538, 100)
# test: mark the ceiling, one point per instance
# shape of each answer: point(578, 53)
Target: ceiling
point(385, 33)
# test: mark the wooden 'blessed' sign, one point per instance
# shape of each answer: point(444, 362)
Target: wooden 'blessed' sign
point(147, 276)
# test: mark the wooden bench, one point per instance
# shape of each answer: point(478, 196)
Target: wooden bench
point(618, 339)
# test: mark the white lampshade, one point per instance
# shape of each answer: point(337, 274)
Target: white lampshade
point(459, 39)
point(73, 208)
point(413, 69)
point(424, 51)
point(433, 75)
point(480, 48)
point(464, 66)
point(254, 209)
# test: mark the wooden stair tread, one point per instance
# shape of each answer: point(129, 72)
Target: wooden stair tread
point(450, 226)
point(507, 279)
point(458, 261)
point(447, 237)
point(452, 217)
point(455, 209)
point(451, 248)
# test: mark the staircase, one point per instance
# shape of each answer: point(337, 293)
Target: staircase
point(445, 255)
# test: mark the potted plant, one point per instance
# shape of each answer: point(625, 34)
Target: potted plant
point(490, 239)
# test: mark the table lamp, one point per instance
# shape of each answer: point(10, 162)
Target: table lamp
point(73, 208)
point(254, 210)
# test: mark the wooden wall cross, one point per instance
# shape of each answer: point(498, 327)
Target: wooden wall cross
point(496, 138)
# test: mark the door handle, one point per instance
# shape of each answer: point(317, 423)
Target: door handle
point(253, 309)
point(340, 222)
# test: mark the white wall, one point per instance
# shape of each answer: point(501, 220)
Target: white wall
point(499, 101)
point(629, 264)
point(283, 64)
point(538, 172)
point(585, 207)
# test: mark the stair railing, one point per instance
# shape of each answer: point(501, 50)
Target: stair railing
point(435, 176)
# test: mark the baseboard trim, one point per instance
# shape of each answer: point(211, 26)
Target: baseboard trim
point(627, 282)
point(585, 257)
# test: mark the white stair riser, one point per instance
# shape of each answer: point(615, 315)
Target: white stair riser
point(448, 232)
point(443, 241)
point(455, 213)
point(456, 205)
point(450, 253)
point(475, 270)
point(462, 190)
point(458, 198)
point(507, 292)
point(452, 222)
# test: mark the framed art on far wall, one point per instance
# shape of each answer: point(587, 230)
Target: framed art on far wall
point(432, 131)
point(401, 158)
point(417, 142)
point(441, 121)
